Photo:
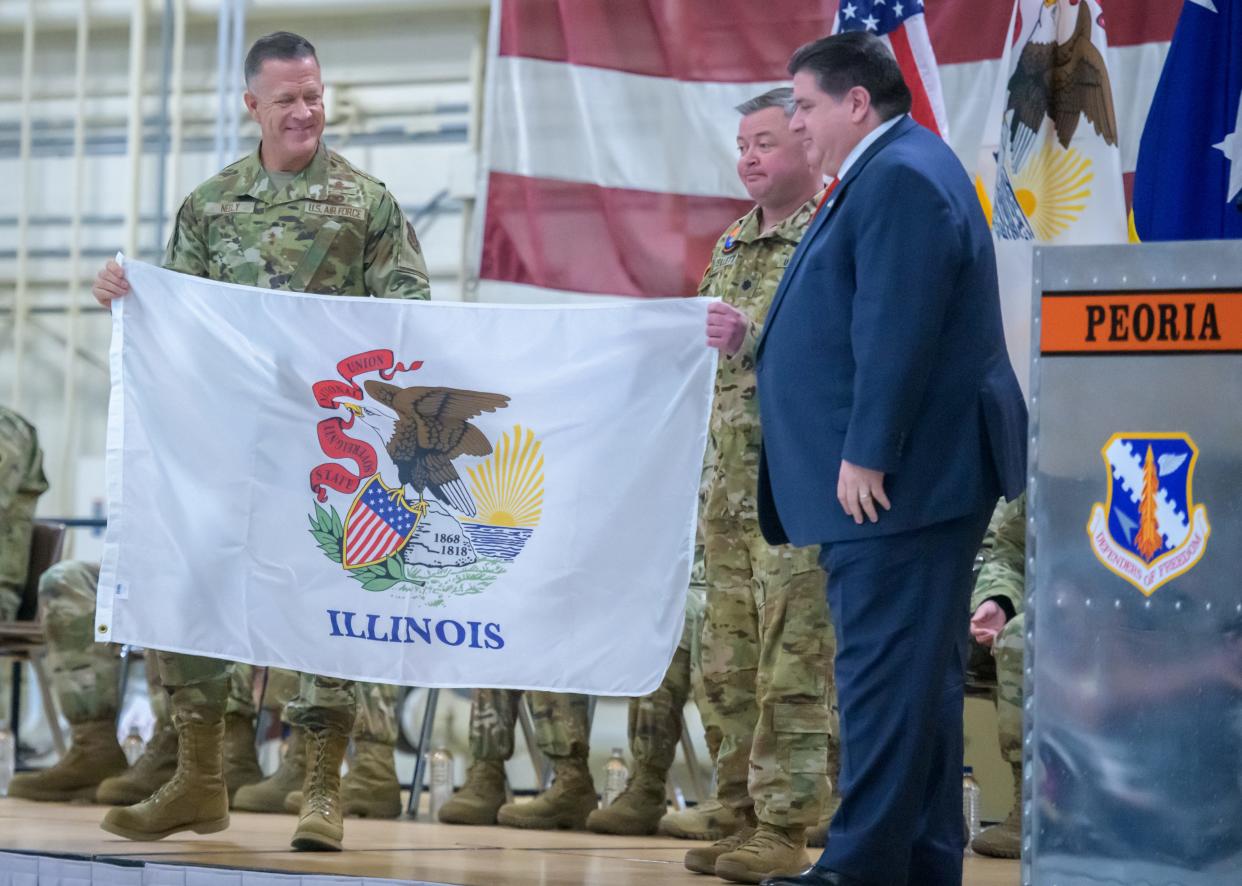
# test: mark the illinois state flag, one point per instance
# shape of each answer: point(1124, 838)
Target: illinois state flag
point(1052, 169)
point(438, 494)
point(1188, 181)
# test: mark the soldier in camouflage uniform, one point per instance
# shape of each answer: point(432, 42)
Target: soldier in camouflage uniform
point(562, 732)
point(86, 680)
point(21, 484)
point(999, 622)
point(767, 640)
point(292, 216)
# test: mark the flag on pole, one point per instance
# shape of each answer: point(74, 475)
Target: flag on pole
point(1052, 171)
point(425, 493)
point(1188, 182)
point(903, 27)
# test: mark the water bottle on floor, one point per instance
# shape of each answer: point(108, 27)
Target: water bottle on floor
point(440, 762)
point(133, 746)
point(615, 776)
point(8, 760)
point(970, 806)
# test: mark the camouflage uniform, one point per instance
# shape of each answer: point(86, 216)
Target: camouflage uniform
point(21, 484)
point(332, 230)
point(329, 229)
point(767, 640)
point(1002, 579)
point(559, 719)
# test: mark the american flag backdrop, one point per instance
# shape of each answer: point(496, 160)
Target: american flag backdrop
point(903, 26)
point(608, 143)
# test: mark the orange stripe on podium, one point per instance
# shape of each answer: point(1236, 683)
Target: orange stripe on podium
point(1140, 322)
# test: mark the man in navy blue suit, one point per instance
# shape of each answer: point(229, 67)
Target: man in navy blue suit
point(892, 421)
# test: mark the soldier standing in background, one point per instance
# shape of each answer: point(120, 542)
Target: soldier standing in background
point(298, 217)
point(654, 728)
point(562, 732)
point(999, 622)
point(767, 641)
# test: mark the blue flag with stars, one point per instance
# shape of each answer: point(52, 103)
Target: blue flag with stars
point(1188, 181)
point(877, 16)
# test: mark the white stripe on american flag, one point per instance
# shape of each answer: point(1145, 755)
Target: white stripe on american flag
point(619, 134)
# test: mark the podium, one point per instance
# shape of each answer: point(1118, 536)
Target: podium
point(1133, 705)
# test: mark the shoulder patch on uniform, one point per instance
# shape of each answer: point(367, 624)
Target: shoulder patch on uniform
point(337, 210)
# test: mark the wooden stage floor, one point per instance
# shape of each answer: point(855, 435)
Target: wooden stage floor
point(418, 852)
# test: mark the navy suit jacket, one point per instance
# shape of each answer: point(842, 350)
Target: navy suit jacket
point(884, 347)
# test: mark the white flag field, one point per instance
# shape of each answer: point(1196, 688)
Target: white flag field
point(422, 493)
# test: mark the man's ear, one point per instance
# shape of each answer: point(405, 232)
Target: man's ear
point(860, 103)
point(252, 105)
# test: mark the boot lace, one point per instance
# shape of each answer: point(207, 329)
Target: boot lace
point(319, 797)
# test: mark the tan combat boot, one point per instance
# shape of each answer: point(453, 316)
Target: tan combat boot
point(707, 821)
point(370, 788)
point(156, 765)
point(637, 810)
point(479, 799)
point(770, 852)
point(241, 760)
point(272, 793)
point(702, 859)
point(93, 755)
point(321, 825)
point(194, 799)
point(1002, 840)
point(565, 805)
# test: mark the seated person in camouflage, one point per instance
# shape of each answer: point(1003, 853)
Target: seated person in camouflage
point(292, 216)
point(999, 624)
point(86, 681)
point(21, 484)
point(562, 733)
point(767, 641)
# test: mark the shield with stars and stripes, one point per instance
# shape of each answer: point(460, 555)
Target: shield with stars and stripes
point(378, 525)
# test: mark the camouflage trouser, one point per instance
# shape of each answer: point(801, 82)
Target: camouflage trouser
point(1008, 648)
point(205, 688)
point(377, 713)
point(376, 702)
point(768, 646)
point(560, 722)
point(86, 676)
point(655, 719)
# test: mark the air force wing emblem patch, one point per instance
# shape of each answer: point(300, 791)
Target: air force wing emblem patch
point(1149, 531)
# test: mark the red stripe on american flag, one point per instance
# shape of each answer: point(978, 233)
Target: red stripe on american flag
point(586, 238)
point(921, 108)
point(728, 41)
point(367, 528)
point(737, 41)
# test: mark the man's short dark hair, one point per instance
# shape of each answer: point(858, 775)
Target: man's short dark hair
point(856, 58)
point(282, 45)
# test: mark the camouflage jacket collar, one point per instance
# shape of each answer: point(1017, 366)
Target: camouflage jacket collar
point(311, 182)
point(748, 228)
